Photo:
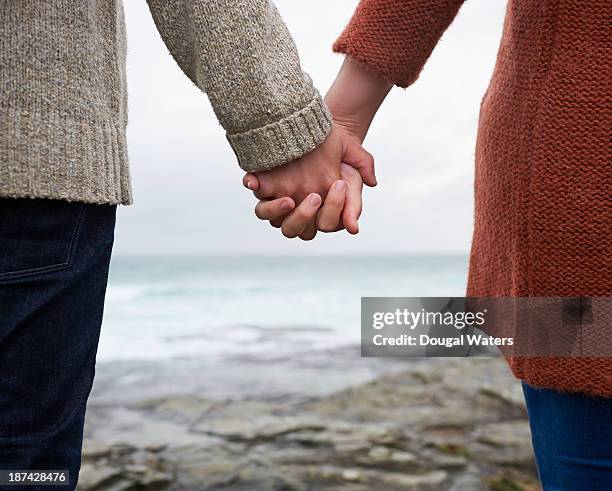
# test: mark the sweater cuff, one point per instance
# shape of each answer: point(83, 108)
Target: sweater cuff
point(277, 143)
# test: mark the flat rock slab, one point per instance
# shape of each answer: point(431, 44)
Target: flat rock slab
point(457, 425)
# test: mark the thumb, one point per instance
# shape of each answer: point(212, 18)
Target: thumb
point(359, 158)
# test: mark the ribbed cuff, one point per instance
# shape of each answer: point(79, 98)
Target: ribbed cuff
point(44, 155)
point(275, 144)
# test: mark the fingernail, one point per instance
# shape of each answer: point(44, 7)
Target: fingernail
point(286, 205)
point(314, 200)
point(340, 185)
point(248, 184)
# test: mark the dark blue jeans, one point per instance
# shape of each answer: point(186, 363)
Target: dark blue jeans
point(54, 259)
point(572, 439)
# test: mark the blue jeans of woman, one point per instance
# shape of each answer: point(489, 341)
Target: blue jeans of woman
point(572, 439)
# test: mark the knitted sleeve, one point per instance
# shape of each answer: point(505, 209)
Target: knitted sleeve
point(394, 38)
point(240, 53)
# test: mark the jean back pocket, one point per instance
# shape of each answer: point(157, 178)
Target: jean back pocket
point(37, 235)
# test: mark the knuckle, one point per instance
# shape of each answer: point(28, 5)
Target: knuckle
point(325, 226)
point(302, 214)
point(329, 181)
point(288, 232)
point(336, 199)
point(288, 189)
point(265, 189)
point(258, 212)
point(260, 194)
point(276, 222)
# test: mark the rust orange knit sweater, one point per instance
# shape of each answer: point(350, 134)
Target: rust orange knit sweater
point(543, 202)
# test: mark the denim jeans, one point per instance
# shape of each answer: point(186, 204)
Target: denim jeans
point(54, 259)
point(572, 439)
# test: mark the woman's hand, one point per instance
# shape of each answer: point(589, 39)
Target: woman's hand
point(353, 99)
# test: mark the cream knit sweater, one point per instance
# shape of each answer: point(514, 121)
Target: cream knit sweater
point(63, 111)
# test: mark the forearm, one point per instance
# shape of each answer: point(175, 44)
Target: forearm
point(241, 54)
point(355, 97)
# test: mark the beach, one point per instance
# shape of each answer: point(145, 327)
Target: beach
point(194, 393)
point(453, 424)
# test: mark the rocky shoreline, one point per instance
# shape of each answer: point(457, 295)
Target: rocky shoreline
point(453, 424)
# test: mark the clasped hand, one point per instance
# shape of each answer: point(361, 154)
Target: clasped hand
point(321, 191)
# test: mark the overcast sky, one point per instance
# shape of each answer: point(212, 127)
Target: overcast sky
point(188, 193)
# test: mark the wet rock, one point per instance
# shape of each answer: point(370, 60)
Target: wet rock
point(390, 481)
point(450, 424)
point(508, 433)
point(186, 409)
point(378, 454)
point(512, 480)
point(93, 476)
point(443, 461)
point(258, 427)
point(431, 480)
point(120, 466)
point(506, 442)
point(468, 482)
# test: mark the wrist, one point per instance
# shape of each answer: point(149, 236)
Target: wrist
point(355, 97)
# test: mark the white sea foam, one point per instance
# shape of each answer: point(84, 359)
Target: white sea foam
point(231, 306)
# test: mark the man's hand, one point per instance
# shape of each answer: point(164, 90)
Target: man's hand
point(309, 179)
point(315, 171)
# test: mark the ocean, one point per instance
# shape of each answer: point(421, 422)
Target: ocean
point(221, 326)
point(167, 307)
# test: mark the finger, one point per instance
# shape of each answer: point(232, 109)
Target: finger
point(310, 231)
point(329, 215)
point(256, 184)
point(353, 203)
point(277, 222)
point(356, 156)
point(250, 181)
point(299, 218)
point(267, 187)
point(276, 208)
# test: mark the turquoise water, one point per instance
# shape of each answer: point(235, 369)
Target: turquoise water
point(179, 307)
